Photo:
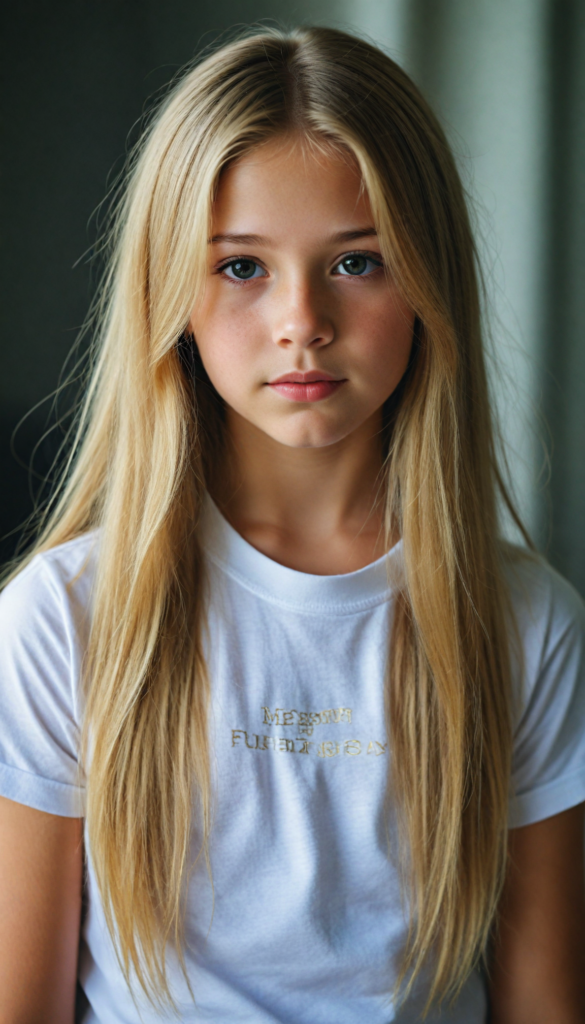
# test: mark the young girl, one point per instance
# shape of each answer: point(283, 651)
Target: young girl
point(269, 656)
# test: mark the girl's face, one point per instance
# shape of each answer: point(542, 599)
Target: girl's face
point(300, 330)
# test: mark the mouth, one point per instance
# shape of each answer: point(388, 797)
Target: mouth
point(312, 386)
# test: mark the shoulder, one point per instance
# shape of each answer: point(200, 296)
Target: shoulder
point(45, 613)
point(549, 615)
point(55, 582)
point(44, 626)
point(538, 591)
point(549, 691)
point(63, 563)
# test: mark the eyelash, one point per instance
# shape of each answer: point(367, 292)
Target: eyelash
point(378, 264)
point(355, 252)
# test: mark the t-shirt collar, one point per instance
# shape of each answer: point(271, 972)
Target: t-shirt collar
point(343, 594)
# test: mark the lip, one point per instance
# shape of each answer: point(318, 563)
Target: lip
point(312, 386)
point(308, 377)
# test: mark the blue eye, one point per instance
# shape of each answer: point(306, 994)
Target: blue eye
point(356, 265)
point(243, 270)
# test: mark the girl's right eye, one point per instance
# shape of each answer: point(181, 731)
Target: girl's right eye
point(242, 270)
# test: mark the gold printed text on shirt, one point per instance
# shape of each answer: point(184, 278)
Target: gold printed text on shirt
point(301, 745)
point(305, 721)
point(283, 744)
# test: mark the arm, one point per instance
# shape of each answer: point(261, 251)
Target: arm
point(40, 906)
point(538, 966)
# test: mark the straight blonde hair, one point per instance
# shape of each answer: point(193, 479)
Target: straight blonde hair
point(148, 435)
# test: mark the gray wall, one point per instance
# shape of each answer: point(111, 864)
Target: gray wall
point(507, 78)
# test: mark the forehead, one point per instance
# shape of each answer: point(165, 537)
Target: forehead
point(285, 187)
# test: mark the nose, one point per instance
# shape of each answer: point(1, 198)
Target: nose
point(301, 317)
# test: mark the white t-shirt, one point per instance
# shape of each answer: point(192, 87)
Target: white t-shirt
point(305, 925)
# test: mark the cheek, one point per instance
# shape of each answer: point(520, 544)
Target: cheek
point(386, 330)
point(227, 346)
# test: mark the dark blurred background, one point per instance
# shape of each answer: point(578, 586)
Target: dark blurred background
point(507, 78)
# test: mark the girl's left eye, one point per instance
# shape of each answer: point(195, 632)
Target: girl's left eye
point(242, 270)
point(356, 264)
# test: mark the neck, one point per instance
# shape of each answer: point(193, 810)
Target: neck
point(314, 509)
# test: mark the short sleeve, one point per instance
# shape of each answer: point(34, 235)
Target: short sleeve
point(548, 767)
point(43, 630)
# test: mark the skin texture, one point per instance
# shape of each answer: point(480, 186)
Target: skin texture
point(300, 484)
point(40, 907)
point(538, 968)
point(301, 213)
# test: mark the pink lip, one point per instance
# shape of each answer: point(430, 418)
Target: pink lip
point(312, 386)
point(298, 377)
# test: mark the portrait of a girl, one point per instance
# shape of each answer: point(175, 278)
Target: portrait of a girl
point(288, 733)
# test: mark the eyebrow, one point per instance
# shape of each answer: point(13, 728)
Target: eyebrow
point(340, 236)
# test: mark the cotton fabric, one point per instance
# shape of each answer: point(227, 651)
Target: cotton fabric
point(305, 922)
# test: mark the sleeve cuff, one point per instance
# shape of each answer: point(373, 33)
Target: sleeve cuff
point(537, 804)
point(42, 794)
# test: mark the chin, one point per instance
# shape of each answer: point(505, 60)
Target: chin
point(322, 438)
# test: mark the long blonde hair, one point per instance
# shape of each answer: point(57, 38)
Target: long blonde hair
point(138, 472)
